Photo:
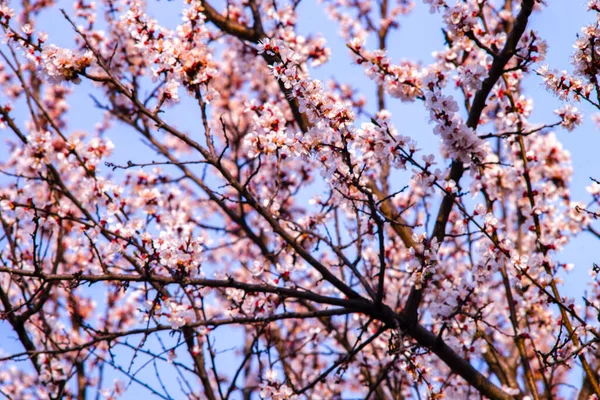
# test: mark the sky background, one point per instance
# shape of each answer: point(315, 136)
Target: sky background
point(418, 36)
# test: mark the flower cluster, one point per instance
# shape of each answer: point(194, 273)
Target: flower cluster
point(178, 56)
point(461, 18)
point(459, 140)
point(58, 64)
point(272, 389)
point(565, 85)
point(403, 81)
point(570, 117)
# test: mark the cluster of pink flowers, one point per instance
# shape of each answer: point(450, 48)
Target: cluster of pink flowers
point(565, 85)
point(177, 57)
point(272, 389)
point(403, 81)
point(59, 64)
point(460, 141)
point(570, 116)
point(462, 18)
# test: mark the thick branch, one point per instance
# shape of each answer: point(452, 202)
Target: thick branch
point(457, 170)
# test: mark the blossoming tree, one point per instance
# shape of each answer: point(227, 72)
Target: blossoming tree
point(295, 218)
